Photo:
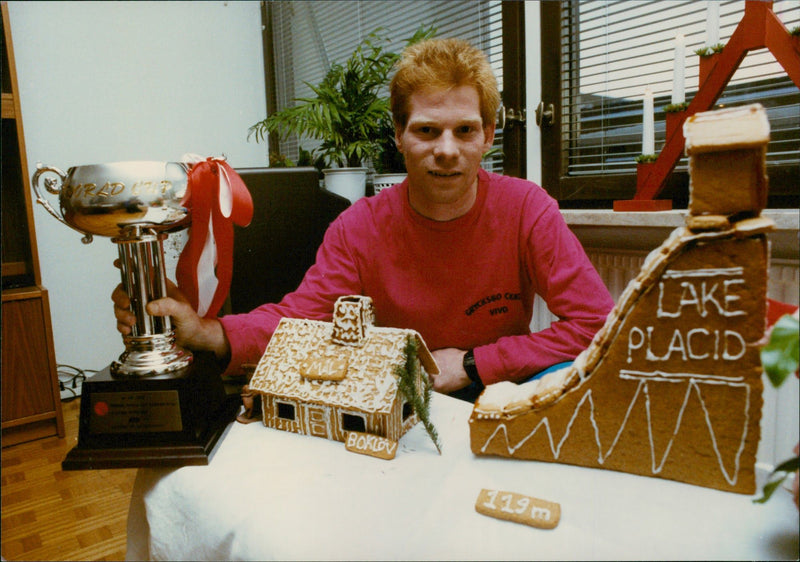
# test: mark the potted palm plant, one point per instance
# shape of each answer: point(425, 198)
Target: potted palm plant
point(390, 166)
point(345, 112)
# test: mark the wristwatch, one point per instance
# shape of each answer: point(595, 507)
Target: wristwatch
point(471, 369)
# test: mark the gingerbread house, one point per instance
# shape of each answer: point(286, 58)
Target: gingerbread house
point(328, 379)
point(671, 385)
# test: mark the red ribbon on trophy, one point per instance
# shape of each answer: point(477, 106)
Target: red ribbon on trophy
point(216, 197)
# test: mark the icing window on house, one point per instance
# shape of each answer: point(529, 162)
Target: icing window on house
point(286, 411)
point(353, 422)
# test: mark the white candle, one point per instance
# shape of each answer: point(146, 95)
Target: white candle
point(678, 84)
point(712, 23)
point(648, 133)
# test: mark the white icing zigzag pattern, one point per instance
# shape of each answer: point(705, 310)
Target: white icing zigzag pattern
point(695, 382)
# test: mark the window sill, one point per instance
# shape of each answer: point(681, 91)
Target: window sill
point(646, 231)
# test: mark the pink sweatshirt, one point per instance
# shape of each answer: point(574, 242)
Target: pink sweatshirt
point(466, 283)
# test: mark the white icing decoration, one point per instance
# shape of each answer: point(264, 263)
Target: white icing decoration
point(695, 381)
point(703, 272)
point(373, 443)
point(706, 295)
point(684, 346)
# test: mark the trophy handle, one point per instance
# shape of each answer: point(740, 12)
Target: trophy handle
point(50, 185)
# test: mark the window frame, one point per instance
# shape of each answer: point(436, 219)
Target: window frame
point(513, 157)
point(599, 191)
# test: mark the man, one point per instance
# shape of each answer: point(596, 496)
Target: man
point(453, 252)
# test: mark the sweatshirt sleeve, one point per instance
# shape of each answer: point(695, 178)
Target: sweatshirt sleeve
point(559, 272)
point(333, 274)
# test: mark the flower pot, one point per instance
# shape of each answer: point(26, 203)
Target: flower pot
point(707, 64)
point(674, 120)
point(382, 181)
point(350, 183)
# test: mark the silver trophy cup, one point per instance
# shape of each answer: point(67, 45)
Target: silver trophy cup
point(136, 204)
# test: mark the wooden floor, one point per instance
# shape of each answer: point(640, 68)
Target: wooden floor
point(49, 514)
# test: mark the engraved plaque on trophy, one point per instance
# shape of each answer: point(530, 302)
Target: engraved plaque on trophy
point(157, 405)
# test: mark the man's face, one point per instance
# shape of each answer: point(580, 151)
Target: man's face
point(443, 143)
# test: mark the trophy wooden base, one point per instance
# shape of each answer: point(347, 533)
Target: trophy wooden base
point(175, 419)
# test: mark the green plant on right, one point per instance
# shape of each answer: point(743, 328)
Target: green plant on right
point(780, 358)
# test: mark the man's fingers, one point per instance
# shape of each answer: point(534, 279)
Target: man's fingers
point(161, 307)
point(120, 297)
point(169, 306)
point(123, 328)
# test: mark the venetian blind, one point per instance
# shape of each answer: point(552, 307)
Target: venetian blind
point(310, 35)
point(612, 50)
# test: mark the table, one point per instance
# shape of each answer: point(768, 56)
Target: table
point(269, 494)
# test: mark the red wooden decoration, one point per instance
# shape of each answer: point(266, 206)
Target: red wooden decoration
point(759, 28)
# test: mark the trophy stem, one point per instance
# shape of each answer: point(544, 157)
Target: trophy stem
point(150, 348)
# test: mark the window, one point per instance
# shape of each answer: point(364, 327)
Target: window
point(408, 410)
point(302, 38)
point(353, 422)
point(285, 411)
point(602, 56)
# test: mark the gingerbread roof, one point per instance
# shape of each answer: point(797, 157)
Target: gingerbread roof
point(726, 129)
point(304, 359)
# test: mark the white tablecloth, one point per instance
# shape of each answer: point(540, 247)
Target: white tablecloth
point(268, 494)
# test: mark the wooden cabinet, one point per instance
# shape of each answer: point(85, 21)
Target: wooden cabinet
point(31, 402)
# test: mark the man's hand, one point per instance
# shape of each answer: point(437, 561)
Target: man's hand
point(191, 331)
point(452, 375)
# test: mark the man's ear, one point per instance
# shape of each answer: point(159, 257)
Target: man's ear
point(398, 134)
point(488, 136)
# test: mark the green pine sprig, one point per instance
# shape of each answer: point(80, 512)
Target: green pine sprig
point(710, 50)
point(406, 377)
point(676, 107)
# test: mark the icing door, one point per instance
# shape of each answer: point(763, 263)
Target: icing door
point(318, 422)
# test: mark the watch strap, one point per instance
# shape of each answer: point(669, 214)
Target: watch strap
point(471, 369)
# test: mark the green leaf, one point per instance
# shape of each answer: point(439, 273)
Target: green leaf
point(789, 465)
point(777, 477)
point(770, 488)
point(781, 356)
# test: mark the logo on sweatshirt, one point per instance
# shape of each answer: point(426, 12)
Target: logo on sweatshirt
point(496, 300)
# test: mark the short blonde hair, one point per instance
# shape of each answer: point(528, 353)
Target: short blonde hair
point(443, 64)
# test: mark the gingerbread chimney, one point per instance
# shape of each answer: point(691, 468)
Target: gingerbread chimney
point(727, 160)
point(351, 317)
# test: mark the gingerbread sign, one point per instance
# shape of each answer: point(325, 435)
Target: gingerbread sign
point(671, 386)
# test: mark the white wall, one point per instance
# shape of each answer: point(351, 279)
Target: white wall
point(109, 81)
point(533, 90)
